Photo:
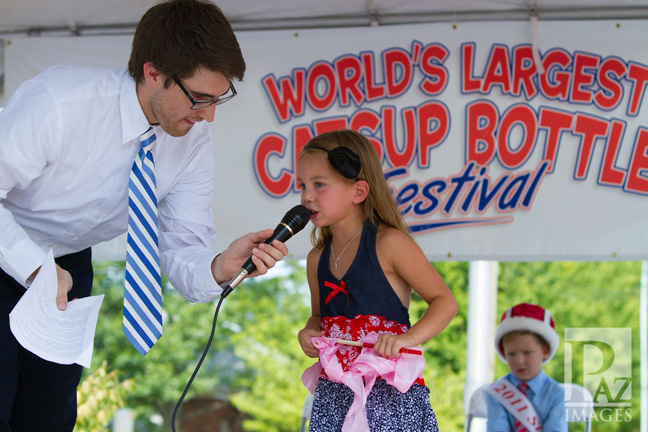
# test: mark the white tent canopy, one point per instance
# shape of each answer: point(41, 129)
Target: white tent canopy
point(86, 17)
point(83, 16)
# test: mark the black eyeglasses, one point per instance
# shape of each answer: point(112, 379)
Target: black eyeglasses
point(196, 105)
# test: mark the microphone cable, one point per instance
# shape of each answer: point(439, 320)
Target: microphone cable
point(293, 221)
point(200, 362)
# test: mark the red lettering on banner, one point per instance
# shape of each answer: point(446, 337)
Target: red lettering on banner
point(417, 47)
point(286, 95)
point(406, 155)
point(524, 116)
point(267, 146)
point(485, 139)
point(424, 128)
point(556, 122)
point(488, 136)
point(319, 73)
point(497, 73)
point(301, 135)
point(590, 129)
point(367, 119)
point(403, 135)
point(431, 65)
point(584, 74)
point(583, 79)
point(469, 84)
point(433, 128)
point(352, 79)
point(637, 180)
point(554, 83)
point(398, 71)
point(576, 80)
point(349, 74)
point(372, 91)
point(523, 71)
point(481, 124)
point(330, 124)
point(638, 74)
point(610, 73)
point(610, 175)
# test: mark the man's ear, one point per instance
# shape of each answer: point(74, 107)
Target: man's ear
point(361, 191)
point(153, 77)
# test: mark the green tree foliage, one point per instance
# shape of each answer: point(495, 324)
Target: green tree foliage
point(593, 295)
point(99, 396)
point(162, 374)
point(255, 358)
point(445, 354)
point(270, 313)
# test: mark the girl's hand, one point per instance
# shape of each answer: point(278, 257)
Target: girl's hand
point(305, 340)
point(390, 345)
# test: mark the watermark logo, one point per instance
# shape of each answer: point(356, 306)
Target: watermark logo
point(600, 360)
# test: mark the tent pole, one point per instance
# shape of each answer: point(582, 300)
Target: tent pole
point(643, 332)
point(482, 307)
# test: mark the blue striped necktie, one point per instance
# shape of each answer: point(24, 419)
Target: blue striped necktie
point(143, 294)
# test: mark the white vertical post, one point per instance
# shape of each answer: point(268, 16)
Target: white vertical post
point(482, 306)
point(643, 345)
point(306, 412)
point(124, 420)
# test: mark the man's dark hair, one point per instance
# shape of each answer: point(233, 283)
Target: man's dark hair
point(178, 36)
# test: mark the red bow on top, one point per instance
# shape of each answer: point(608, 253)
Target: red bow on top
point(335, 289)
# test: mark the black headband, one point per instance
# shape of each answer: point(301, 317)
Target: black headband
point(344, 160)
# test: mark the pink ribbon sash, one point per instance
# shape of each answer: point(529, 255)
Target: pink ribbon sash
point(401, 372)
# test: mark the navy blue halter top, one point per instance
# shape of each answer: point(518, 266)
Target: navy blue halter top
point(366, 290)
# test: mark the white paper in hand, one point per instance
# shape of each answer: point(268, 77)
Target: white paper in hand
point(63, 337)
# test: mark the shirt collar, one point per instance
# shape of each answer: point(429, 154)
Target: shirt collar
point(535, 384)
point(133, 120)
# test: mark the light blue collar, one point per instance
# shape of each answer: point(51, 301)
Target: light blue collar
point(536, 384)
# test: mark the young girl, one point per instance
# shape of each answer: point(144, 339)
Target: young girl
point(361, 272)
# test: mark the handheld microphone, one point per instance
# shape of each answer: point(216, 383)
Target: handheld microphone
point(293, 221)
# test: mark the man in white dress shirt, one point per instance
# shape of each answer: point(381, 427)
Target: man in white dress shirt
point(67, 145)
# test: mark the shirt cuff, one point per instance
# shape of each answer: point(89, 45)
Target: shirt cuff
point(197, 283)
point(22, 260)
point(209, 290)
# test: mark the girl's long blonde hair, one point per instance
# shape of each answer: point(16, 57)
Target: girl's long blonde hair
point(379, 207)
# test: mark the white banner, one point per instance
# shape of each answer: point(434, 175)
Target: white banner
point(488, 158)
